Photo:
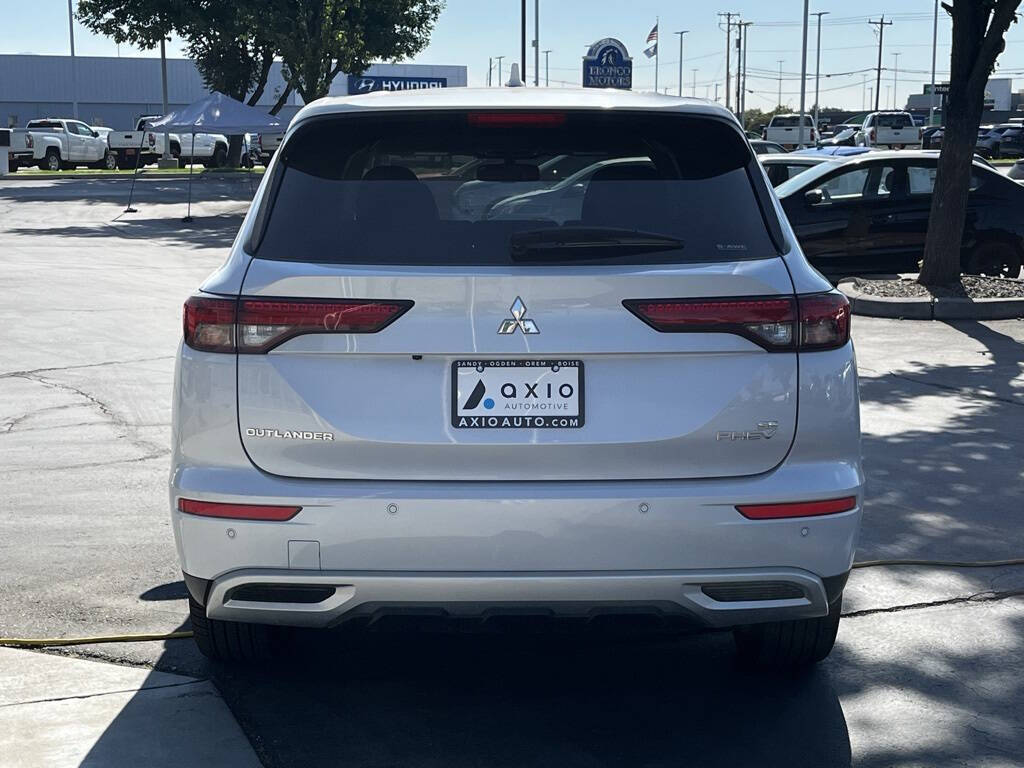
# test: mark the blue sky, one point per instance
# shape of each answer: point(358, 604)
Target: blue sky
point(469, 31)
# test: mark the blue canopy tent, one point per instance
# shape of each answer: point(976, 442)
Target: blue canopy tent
point(215, 113)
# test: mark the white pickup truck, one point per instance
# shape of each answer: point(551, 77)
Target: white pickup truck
point(895, 130)
point(786, 130)
point(143, 146)
point(54, 144)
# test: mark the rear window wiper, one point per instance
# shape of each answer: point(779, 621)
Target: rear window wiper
point(586, 243)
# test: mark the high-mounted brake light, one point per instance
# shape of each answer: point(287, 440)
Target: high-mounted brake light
point(515, 118)
point(254, 326)
point(797, 509)
point(776, 323)
point(237, 511)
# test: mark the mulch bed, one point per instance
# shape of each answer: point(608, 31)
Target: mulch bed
point(969, 287)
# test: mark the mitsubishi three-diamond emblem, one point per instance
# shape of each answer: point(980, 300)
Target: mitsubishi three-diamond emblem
point(518, 320)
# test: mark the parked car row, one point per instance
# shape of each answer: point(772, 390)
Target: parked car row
point(55, 144)
point(867, 213)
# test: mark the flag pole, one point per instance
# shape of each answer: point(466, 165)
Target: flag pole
point(657, 21)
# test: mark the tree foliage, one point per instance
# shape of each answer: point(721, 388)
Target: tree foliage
point(317, 39)
point(234, 42)
point(979, 29)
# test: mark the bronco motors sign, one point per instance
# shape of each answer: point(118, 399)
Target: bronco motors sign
point(368, 83)
point(607, 65)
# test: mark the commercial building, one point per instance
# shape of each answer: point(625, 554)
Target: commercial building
point(113, 91)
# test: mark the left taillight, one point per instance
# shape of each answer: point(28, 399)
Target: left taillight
point(209, 324)
point(255, 326)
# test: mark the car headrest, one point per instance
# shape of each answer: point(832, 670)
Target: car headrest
point(626, 195)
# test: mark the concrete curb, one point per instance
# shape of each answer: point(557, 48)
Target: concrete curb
point(930, 308)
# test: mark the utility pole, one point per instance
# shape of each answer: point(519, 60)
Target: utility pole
point(499, 58)
point(817, 69)
point(716, 93)
point(490, 70)
point(895, 73)
point(536, 43)
point(547, 68)
point(74, 71)
point(522, 41)
point(728, 51)
point(780, 61)
point(881, 24)
point(935, 37)
point(744, 31)
point(681, 33)
point(739, 64)
point(803, 75)
point(694, 93)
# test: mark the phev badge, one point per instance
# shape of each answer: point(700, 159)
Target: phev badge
point(518, 320)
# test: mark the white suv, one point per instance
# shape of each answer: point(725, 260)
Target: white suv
point(644, 402)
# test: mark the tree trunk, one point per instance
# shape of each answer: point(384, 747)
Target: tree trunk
point(281, 100)
point(978, 32)
point(234, 151)
point(261, 83)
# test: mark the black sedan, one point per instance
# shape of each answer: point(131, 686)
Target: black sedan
point(869, 215)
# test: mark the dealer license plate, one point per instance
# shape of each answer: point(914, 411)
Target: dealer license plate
point(517, 394)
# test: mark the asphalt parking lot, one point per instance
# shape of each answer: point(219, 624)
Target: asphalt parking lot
point(929, 666)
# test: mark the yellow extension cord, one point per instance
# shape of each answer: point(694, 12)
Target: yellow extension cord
point(52, 642)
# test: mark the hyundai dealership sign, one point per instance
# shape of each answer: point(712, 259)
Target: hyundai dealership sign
point(369, 83)
point(607, 65)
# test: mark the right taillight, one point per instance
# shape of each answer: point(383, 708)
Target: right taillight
point(824, 321)
point(778, 324)
point(251, 325)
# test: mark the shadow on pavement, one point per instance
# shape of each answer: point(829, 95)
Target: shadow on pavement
point(201, 232)
point(948, 493)
point(151, 189)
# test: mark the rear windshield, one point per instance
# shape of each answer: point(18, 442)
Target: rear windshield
point(789, 121)
point(456, 188)
point(895, 121)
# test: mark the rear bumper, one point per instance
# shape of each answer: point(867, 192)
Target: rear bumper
point(562, 548)
point(714, 598)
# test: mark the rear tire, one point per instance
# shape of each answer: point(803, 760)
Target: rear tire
point(780, 645)
point(233, 641)
point(994, 259)
point(51, 162)
point(220, 157)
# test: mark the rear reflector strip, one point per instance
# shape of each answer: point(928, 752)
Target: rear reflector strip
point(237, 511)
point(797, 509)
point(755, 590)
point(257, 325)
point(775, 323)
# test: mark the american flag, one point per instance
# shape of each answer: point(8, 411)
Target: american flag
point(653, 37)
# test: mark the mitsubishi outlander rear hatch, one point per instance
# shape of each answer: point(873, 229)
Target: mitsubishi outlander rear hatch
point(516, 295)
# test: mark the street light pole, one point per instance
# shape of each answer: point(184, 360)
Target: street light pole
point(895, 73)
point(547, 68)
point(74, 71)
point(499, 58)
point(817, 69)
point(935, 37)
point(522, 42)
point(681, 33)
point(803, 74)
point(536, 43)
point(695, 71)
